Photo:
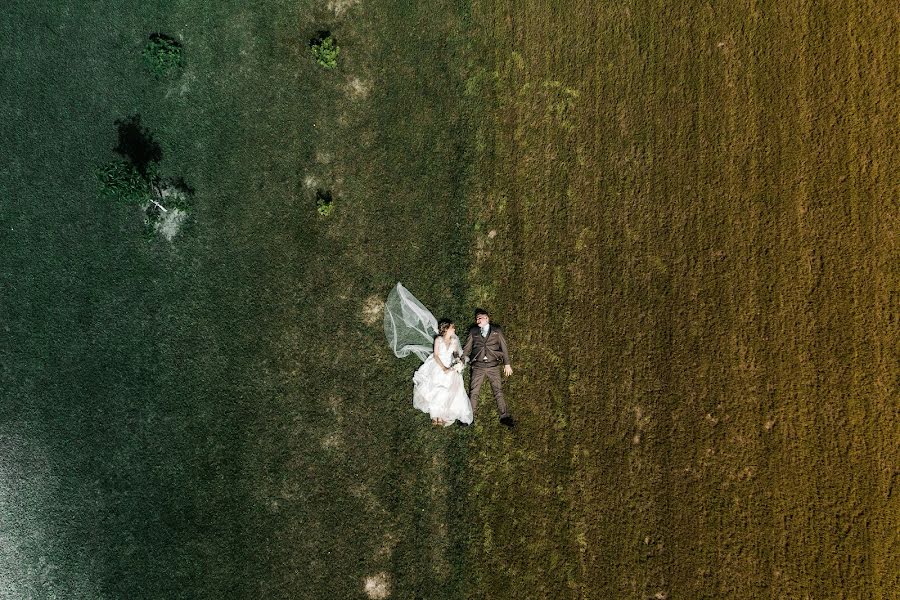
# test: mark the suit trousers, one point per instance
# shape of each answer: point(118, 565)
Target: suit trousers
point(477, 378)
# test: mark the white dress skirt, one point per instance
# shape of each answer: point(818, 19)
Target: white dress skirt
point(442, 395)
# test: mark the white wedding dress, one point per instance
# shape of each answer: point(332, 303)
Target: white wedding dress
point(442, 395)
point(410, 328)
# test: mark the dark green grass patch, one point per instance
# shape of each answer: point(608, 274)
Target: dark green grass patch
point(218, 415)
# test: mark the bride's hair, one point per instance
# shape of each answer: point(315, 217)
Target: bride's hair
point(443, 326)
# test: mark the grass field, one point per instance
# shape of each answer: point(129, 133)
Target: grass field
point(686, 219)
point(218, 416)
point(696, 251)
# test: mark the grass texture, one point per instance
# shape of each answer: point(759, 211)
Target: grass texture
point(692, 234)
point(684, 216)
point(219, 416)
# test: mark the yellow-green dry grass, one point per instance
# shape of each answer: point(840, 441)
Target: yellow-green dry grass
point(696, 210)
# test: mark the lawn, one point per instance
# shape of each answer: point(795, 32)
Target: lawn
point(684, 216)
point(689, 223)
point(218, 415)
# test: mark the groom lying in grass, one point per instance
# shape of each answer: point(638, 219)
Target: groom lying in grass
point(485, 351)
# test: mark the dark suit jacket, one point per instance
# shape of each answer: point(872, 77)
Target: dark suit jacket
point(486, 352)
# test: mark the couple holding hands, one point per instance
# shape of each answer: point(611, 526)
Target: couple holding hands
point(438, 387)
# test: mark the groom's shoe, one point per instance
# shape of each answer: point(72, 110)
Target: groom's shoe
point(508, 421)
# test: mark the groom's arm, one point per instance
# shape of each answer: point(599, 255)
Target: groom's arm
point(503, 349)
point(507, 368)
point(467, 349)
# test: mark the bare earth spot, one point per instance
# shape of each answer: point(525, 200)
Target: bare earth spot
point(332, 441)
point(323, 157)
point(372, 310)
point(358, 89)
point(170, 223)
point(310, 182)
point(341, 6)
point(378, 585)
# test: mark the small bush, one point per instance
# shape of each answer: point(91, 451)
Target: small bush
point(163, 56)
point(324, 202)
point(325, 50)
point(122, 182)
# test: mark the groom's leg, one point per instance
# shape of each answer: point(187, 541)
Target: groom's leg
point(497, 387)
point(476, 378)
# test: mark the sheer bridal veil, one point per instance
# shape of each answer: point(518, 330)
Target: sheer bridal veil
point(410, 328)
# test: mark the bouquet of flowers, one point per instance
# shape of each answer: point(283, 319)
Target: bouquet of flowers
point(457, 364)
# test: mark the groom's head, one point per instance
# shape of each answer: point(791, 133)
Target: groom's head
point(481, 317)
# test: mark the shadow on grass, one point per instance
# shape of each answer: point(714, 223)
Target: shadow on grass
point(136, 143)
point(168, 39)
point(319, 38)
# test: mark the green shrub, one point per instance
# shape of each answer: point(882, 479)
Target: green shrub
point(324, 202)
point(163, 56)
point(325, 50)
point(122, 182)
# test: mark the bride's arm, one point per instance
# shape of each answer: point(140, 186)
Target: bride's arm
point(437, 358)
